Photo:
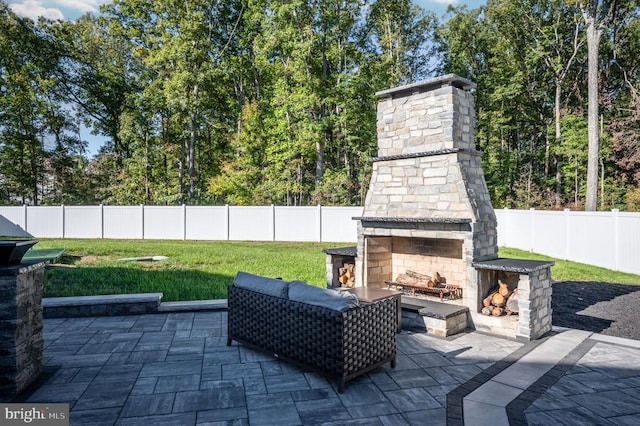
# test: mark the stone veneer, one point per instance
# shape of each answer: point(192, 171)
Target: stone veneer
point(427, 183)
point(21, 342)
point(533, 280)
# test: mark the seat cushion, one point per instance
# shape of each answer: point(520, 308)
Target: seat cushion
point(270, 286)
point(332, 299)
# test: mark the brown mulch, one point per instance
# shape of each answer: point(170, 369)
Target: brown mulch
point(607, 308)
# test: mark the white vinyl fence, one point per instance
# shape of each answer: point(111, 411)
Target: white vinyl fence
point(607, 239)
point(268, 223)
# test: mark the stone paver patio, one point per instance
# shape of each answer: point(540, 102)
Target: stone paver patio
point(175, 368)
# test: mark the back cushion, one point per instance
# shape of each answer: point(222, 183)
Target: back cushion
point(270, 286)
point(332, 299)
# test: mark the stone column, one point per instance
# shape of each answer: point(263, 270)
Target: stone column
point(534, 304)
point(21, 342)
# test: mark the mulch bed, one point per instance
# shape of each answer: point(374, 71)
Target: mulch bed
point(611, 309)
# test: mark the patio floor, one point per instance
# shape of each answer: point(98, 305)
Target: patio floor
point(175, 368)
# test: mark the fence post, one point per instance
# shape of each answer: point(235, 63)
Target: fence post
point(319, 223)
point(63, 220)
point(101, 221)
point(273, 222)
point(616, 239)
point(142, 221)
point(567, 234)
point(228, 224)
point(26, 229)
point(184, 221)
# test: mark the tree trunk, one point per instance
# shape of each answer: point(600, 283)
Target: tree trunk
point(593, 43)
point(556, 117)
point(558, 184)
point(191, 155)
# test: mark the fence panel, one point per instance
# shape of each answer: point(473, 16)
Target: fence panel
point(590, 238)
point(12, 222)
point(251, 223)
point(45, 222)
point(207, 223)
point(164, 222)
point(549, 232)
point(83, 222)
point(338, 225)
point(628, 247)
point(515, 229)
point(123, 222)
point(297, 223)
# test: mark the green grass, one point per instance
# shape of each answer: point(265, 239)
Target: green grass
point(565, 270)
point(199, 270)
point(195, 270)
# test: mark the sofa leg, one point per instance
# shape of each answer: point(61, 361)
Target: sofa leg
point(228, 341)
point(393, 363)
point(341, 386)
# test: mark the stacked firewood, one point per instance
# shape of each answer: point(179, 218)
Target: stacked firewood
point(347, 276)
point(501, 301)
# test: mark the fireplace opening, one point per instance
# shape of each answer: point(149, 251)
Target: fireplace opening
point(437, 263)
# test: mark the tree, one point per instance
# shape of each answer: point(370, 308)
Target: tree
point(32, 122)
point(598, 15)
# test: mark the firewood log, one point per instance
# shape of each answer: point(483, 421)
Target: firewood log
point(498, 300)
point(487, 300)
point(486, 310)
point(503, 289)
point(406, 279)
point(512, 302)
point(418, 276)
point(496, 312)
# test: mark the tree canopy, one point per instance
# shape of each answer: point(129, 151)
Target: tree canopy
point(273, 102)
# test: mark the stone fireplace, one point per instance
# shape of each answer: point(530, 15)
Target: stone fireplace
point(428, 208)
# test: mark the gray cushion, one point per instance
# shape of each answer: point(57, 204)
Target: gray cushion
point(270, 286)
point(332, 299)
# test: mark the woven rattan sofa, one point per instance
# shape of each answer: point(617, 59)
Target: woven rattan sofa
point(341, 342)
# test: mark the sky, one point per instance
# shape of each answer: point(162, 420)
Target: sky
point(73, 9)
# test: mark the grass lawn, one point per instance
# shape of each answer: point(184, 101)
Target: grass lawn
point(195, 270)
point(199, 270)
point(565, 270)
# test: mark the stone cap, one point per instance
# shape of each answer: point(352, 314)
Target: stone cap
point(24, 267)
point(426, 154)
point(427, 86)
point(513, 265)
point(412, 219)
point(342, 251)
point(108, 299)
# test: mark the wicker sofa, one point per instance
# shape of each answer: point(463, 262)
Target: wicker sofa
point(340, 339)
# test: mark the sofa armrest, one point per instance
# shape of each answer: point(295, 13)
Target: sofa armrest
point(370, 334)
